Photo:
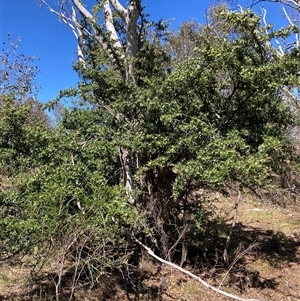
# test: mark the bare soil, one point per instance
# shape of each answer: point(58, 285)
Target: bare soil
point(269, 270)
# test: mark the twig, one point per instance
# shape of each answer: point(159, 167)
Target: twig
point(225, 252)
point(236, 259)
point(204, 283)
point(181, 234)
point(279, 51)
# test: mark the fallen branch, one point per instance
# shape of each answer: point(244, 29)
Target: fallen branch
point(151, 253)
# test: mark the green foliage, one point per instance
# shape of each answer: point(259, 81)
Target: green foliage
point(216, 117)
point(220, 114)
point(24, 130)
point(68, 199)
point(204, 118)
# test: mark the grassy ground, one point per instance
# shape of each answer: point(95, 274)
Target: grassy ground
point(269, 270)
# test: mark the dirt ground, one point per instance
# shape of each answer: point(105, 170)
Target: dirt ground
point(269, 270)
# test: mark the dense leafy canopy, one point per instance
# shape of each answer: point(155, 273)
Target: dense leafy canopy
point(201, 119)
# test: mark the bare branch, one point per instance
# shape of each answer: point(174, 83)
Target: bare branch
point(290, 3)
point(78, 36)
point(122, 12)
point(293, 99)
point(67, 20)
point(291, 23)
point(93, 22)
point(110, 25)
point(83, 10)
point(74, 25)
point(132, 16)
point(181, 234)
point(241, 9)
point(252, 246)
point(204, 283)
point(77, 28)
point(280, 51)
point(126, 162)
point(131, 20)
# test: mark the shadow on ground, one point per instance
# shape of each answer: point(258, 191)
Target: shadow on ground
point(275, 248)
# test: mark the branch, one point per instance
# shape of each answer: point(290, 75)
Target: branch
point(181, 234)
point(291, 23)
point(126, 162)
point(109, 23)
point(78, 36)
point(132, 15)
point(92, 21)
point(236, 259)
point(280, 51)
point(293, 97)
point(110, 51)
point(73, 23)
point(122, 12)
point(83, 10)
point(74, 26)
point(68, 20)
point(291, 3)
point(151, 253)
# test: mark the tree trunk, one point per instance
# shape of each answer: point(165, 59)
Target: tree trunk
point(126, 162)
point(157, 199)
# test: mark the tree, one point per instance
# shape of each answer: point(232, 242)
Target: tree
point(24, 134)
point(17, 72)
point(288, 12)
point(153, 125)
point(21, 114)
point(125, 76)
point(109, 37)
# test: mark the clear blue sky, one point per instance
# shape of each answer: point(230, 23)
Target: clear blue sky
point(53, 43)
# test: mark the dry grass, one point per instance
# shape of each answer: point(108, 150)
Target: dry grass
point(271, 272)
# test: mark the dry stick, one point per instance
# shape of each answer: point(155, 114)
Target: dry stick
point(181, 234)
point(58, 283)
point(151, 253)
point(237, 258)
point(225, 252)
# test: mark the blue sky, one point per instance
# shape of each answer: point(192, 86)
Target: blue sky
point(53, 43)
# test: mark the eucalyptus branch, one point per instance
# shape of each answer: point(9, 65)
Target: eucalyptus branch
point(121, 11)
point(73, 23)
point(93, 22)
point(83, 10)
point(290, 3)
point(110, 25)
point(280, 51)
point(78, 36)
point(67, 20)
point(291, 23)
point(204, 283)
